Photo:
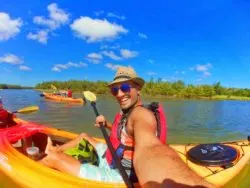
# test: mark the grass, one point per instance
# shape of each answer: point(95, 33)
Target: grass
point(227, 97)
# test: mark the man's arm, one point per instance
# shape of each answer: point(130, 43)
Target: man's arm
point(108, 125)
point(157, 164)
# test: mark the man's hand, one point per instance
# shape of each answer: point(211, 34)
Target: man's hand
point(100, 119)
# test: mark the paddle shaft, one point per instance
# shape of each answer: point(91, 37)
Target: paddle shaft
point(112, 150)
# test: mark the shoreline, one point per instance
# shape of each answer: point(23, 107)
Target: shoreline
point(215, 97)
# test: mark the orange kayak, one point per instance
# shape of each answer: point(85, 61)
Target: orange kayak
point(62, 98)
point(17, 169)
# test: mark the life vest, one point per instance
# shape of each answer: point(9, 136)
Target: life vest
point(69, 93)
point(124, 145)
point(4, 117)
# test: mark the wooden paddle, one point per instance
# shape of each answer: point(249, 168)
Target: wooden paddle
point(92, 98)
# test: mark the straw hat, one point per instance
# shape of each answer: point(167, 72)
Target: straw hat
point(124, 74)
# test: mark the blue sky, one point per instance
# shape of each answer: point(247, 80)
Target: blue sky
point(199, 42)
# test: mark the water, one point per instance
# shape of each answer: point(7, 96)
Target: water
point(189, 121)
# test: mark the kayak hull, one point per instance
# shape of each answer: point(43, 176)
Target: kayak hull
point(58, 98)
point(18, 170)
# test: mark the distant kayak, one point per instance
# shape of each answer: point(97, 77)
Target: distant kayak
point(223, 164)
point(55, 97)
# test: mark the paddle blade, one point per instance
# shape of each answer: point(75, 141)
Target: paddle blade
point(53, 87)
point(89, 96)
point(28, 109)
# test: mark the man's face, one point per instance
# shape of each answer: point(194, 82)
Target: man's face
point(126, 93)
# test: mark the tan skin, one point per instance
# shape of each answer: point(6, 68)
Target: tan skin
point(150, 153)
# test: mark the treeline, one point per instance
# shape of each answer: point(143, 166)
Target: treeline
point(7, 86)
point(158, 87)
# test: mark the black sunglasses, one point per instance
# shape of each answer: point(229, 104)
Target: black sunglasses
point(125, 88)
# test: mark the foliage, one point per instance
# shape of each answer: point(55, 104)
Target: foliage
point(7, 86)
point(176, 89)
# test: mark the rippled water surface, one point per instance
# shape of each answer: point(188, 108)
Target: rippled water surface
point(189, 121)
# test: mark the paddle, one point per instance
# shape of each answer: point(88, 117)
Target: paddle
point(92, 98)
point(53, 87)
point(27, 109)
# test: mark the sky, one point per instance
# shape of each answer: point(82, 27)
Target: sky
point(198, 42)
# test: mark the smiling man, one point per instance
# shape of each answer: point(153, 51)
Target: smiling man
point(138, 135)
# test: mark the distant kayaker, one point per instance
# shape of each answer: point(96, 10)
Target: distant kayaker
point(69, 92)
point(139, 139)
point(6, 118)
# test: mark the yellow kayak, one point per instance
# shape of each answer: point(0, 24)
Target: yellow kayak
point(17, 169)
point(62, 98)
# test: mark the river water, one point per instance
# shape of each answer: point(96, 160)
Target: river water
point(189, 121)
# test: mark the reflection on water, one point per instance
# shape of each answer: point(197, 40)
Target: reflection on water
point(189, 121)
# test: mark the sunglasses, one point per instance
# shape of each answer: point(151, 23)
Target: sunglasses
point(125, 88)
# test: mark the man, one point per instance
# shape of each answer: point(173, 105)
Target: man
point(136, 129)
point(6, 118)
point(69, 94)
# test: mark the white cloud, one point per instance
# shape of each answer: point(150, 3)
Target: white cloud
point(94, 57)
point(8, 27)
point(112, 66)
point(205, 69)
point(151, 61)
point(94, 30)
point(57, 17)
point(24, 68)
point(125, 53)
point(104, 46)
point(60, 67)
point(56, 69)
point(142, 35)
point(41, 36)
point(151, 73)
point(57, 14)
point(98, 13)
point(111, 55)
point(83, 64)
point(110, 14)
point(40, 20)
point(11, 59)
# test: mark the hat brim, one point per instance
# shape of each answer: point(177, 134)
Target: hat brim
point(137, 80)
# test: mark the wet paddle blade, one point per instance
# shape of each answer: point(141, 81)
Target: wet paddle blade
point(28, 109)
point(89, 96)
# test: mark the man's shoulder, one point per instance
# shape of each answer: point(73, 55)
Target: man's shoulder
point(141, 111)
